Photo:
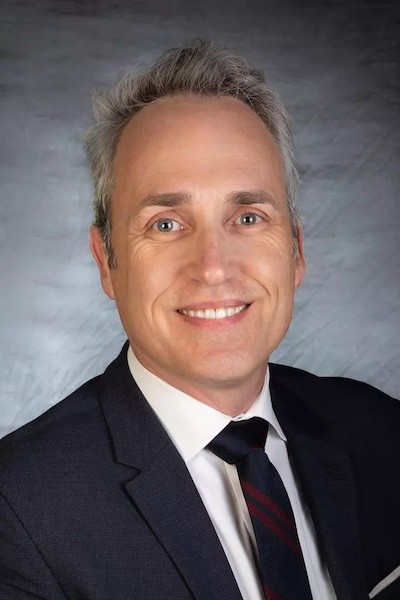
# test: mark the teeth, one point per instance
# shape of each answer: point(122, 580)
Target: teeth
point(214, 313)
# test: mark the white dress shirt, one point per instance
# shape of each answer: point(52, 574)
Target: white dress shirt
point(191, 425)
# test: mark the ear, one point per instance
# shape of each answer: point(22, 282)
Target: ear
point(101, 258)
point(300, 262)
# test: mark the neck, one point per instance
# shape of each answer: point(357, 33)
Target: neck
point(229, 400)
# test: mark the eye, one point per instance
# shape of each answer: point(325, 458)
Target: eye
point(248, 219)
point(166, 225)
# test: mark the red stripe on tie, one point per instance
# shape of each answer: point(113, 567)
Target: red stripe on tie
point(256, 512)
point(269, 594)
point(249, 488)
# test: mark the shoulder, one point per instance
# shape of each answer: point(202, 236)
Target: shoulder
point(62, 430)
point(338, 387)
point(340, 398)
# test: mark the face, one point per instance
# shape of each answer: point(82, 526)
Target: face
point(205, 272)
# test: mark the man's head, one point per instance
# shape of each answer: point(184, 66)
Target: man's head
point(195, 217)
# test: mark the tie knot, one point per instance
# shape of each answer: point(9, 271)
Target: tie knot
point(239, 438)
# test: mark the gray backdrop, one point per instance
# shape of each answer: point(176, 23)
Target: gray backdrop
point(335, 66)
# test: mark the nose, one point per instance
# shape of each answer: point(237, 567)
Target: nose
point(211, 257)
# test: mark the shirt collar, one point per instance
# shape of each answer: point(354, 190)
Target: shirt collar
point(191, 424)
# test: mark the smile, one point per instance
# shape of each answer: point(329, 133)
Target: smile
point(214, 313)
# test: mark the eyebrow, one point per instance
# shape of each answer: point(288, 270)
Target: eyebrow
point(167, 199)
point(239, 198)
point(246, 197)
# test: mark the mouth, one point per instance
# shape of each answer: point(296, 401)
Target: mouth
point(214, 313)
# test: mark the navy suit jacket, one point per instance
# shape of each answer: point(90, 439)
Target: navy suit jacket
point(97, 504)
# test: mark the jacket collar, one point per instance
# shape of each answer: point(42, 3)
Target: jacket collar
point(318, 452)
point(162, 489)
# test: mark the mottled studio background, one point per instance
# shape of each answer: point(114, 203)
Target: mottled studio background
point(336, 66)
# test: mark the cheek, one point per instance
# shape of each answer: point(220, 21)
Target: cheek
point(272, 263)
point(149, 274)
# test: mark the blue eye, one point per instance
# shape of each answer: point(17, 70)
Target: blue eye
point(166, 225)
point(249, 219)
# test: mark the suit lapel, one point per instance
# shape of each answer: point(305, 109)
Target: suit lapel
point(321, 462)
point(168, 500)
point(163, 490)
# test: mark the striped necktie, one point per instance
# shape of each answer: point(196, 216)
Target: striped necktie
point(281, 564)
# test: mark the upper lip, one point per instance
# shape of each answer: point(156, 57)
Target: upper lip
point(214, 304)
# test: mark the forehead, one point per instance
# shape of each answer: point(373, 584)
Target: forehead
point(189, 108)
point(194, 139)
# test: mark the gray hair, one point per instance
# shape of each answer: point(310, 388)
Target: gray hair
point(201, 68)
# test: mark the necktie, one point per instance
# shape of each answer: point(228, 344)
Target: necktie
point(282, 570)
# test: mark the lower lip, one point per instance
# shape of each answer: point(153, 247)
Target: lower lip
point(215, 323)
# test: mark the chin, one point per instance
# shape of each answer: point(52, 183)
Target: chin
point(223, 374)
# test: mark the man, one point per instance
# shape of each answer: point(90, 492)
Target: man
point(137, 485)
